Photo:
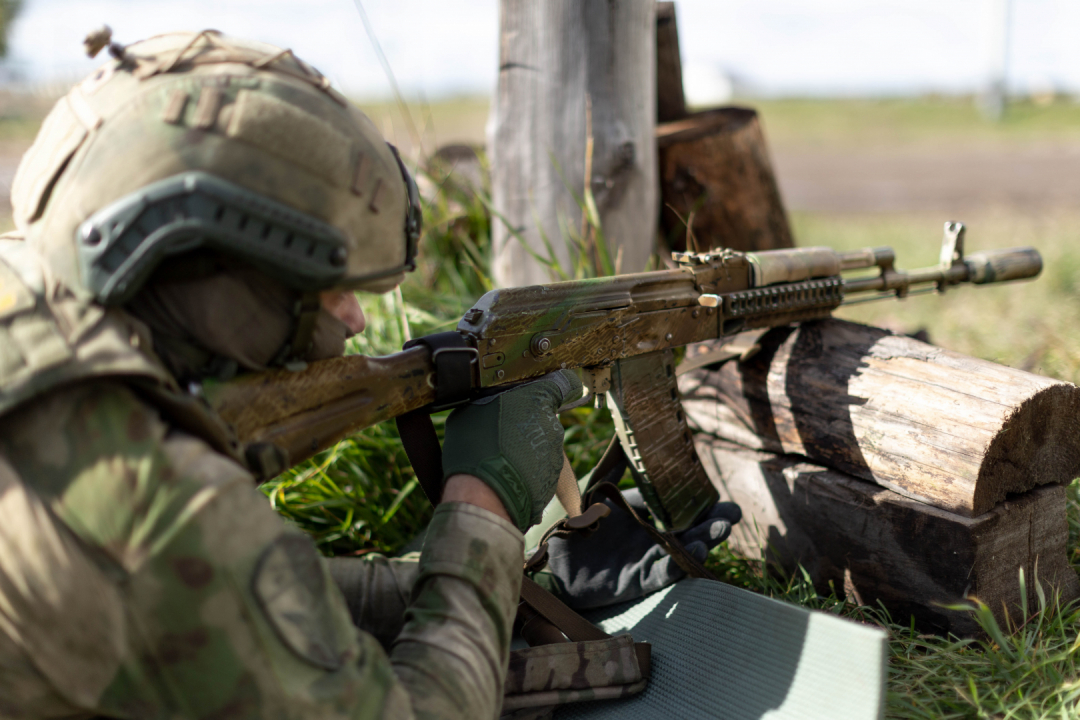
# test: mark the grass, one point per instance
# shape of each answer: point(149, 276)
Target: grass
point(903, 122)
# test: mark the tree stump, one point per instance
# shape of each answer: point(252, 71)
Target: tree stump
point(576, 96)
point(670, 100)
point(946, 429)
point(715, 176)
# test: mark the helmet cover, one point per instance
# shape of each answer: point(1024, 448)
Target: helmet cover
point(199, 140)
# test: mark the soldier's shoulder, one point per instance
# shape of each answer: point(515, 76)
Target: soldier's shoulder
point(68, 423)
point(111, 468)
point(47, 342)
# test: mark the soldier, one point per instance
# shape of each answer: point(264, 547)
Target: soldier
point(201, 206)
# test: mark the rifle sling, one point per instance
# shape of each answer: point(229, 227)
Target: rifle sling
point(575, 627)
point(421, 444)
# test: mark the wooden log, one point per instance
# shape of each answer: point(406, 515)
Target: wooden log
point(576, 96)
point(670, 100)
point(715, 175)
point(862, 540)
point(952, 431)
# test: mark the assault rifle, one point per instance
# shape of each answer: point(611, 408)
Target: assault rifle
point(619, 331)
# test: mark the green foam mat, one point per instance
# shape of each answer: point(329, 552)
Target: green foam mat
point(722, 652)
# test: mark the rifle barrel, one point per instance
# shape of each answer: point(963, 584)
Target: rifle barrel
point(867, 258)
point(980, 268)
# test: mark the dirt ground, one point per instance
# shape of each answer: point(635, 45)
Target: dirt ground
point(1026, 178)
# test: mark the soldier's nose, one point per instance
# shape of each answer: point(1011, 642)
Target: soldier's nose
point(343, 305)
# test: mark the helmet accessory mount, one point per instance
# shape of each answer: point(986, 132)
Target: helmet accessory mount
point(121, 244)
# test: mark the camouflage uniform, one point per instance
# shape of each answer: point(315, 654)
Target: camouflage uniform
point(142, 575)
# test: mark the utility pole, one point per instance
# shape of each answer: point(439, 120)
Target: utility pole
point(995, 97)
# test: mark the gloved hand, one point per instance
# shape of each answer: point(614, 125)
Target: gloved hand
point(514, 443)
point(620, 561)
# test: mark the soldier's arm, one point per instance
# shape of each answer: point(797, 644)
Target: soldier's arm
point(377, 588)
point(206, 605)
point(462, 606)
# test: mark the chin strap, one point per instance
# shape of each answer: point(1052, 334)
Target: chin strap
point(305, 313)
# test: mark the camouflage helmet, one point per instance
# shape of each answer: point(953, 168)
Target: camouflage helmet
point(199, 140)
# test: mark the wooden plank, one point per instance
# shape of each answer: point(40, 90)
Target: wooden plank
point(946, 429)
point(714, 166)
point(576, 96)
point(670, 100)
point(875, 545)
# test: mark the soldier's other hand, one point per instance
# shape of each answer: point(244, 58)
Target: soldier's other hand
point(514, 443)
point(620, 561)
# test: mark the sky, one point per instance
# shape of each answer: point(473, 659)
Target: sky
point(440, 48)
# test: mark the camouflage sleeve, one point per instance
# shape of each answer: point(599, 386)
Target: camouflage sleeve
point(452, 654)
point(376, 590)
point(186, 596)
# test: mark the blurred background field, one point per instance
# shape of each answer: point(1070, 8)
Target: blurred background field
point(853, 173)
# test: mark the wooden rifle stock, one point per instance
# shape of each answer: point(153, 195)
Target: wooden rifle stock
point(304, 412)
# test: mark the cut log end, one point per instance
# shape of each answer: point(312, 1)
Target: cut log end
point(1037, 445)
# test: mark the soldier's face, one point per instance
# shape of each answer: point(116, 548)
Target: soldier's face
point(343, 305)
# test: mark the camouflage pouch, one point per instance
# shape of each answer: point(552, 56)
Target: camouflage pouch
point(571, 660)
point(550, 675)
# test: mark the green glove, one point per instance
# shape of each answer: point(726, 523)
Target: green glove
point(513, 442)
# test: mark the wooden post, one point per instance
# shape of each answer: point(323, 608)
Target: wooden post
point(670, 100)
point(571, 70)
